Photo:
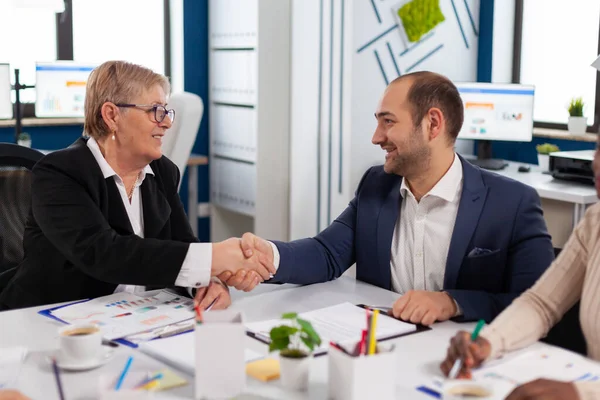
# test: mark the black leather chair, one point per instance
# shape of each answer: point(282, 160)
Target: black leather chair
point(16, 163)
point(567, 332)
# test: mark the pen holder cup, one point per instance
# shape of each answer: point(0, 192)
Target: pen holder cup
point(106, 388)
point(362, 377)
point(220, 362)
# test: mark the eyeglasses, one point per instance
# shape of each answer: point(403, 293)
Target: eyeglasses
point(160, 112)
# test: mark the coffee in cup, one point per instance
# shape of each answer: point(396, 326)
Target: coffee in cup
point(466, 390)
point(80, 343)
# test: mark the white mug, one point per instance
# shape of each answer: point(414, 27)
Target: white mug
point(80, 342)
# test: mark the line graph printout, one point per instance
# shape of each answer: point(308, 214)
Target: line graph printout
point(122, 314)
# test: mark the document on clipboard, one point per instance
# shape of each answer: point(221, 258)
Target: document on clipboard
point(342, 323)
point(123, 314)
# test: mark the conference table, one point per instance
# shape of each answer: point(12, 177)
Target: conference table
point(418, 355)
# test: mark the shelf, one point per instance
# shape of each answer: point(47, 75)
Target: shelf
point(564, 135)
point(9, 123)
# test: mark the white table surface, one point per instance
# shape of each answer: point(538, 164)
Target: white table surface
point(550, 188)
point(418, 354)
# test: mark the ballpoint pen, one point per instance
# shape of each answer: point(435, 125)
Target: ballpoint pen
point(459, 362)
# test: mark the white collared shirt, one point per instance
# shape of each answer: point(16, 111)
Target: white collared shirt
point(423, 232)
point(196, 268)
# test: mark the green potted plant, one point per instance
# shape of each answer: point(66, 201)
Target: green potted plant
point(24, 139)
point(577, 124)
point(544, 151)
point(295, 342)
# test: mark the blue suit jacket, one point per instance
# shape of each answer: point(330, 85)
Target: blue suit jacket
point(495, 213)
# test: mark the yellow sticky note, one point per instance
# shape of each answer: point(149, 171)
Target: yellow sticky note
point(264, 370)
point(169, 380)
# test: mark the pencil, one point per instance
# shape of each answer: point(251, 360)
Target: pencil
point(373, 340)
point(459, 362)
point(61, 394)
point(124, 373)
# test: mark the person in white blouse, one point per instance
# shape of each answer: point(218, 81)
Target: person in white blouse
point(106, 214)
point(453, 240)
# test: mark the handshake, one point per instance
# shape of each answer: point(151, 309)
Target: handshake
point(243, 263)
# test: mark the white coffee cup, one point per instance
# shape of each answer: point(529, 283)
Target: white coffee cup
point(80, 343)
point(461, 389)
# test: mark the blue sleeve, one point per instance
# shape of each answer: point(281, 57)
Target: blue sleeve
point(529, 255)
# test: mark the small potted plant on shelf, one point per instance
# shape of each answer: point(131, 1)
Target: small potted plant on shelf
point(24, 139)
point(577, 124)
point(295, 342)
point(544, 151)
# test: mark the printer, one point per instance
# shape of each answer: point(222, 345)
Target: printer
point(573, 165)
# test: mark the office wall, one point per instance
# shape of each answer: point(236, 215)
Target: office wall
point(344, 53)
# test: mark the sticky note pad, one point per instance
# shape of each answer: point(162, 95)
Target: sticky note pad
point(169, 380)
point(263, 370)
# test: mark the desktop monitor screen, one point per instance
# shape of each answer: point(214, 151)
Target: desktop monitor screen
point(496, 111)
point(6, 107)
point(60, 89)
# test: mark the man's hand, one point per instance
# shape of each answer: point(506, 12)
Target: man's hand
point(228, 256)
point(252, 244)
point(423, 307)
point(544, 389)
point(473, 354)
point(12, 395)
point(216, 291)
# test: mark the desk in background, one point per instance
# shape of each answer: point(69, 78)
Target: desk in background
point(564, 202)
point(418, 355)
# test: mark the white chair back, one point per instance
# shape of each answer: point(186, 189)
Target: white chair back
point(179, 139)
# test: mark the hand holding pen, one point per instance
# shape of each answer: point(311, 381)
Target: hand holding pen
point(466, 351)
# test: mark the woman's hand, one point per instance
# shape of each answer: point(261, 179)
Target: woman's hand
point(216, 291)
point(473, 354)
point(544, 389)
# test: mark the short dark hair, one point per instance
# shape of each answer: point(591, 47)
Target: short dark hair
point(428, 90)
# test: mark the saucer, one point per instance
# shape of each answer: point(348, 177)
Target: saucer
point(105, 354)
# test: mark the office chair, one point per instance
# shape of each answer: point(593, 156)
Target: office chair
point(16, 163)
point(180, 138)
point(567, 332)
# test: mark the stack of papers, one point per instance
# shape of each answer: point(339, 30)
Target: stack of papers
point(123, 314)
point(11, 360)
point(342, 323)
point(179, 351)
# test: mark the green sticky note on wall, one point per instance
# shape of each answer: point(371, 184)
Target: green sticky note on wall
point(419, 17)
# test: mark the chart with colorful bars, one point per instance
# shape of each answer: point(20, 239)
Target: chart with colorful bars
point(123, 314)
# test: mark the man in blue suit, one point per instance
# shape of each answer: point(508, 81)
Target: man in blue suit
point(455, 240)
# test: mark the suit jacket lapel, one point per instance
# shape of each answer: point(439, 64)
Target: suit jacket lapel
point(474, 193)
point(386, 221)
point(117, 215)
point(156, 208)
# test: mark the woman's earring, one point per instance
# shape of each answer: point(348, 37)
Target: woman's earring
point(113, 136)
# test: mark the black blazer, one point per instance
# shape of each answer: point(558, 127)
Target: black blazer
point(78, 241)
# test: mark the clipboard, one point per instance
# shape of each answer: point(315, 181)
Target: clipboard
point(420, 328)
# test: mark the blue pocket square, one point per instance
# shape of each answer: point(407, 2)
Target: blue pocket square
point(478, 251)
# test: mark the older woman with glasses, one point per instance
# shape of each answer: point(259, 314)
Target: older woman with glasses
point(106, 216)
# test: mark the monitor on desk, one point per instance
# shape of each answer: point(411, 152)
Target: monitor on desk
point(6, 107)
point(60, 89)
point(496, 111)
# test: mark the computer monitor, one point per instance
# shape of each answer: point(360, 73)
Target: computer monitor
point(496, 111)
point(60, 89)
point(6, 106)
